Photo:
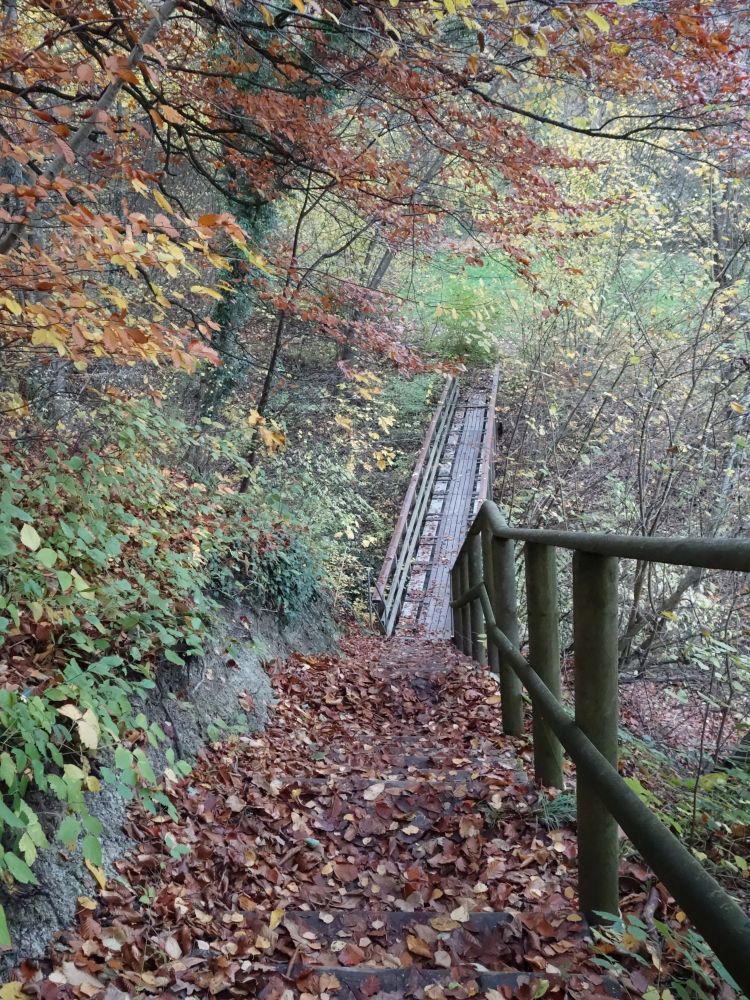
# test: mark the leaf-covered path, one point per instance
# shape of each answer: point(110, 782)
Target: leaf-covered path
point(378, 839)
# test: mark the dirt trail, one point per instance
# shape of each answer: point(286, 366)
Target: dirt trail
point(379, 839)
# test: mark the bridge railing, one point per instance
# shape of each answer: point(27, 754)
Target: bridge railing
point(486, 627)
point(390, 586)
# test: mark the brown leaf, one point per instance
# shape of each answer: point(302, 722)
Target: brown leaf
point(417, 946)
point(351, 954)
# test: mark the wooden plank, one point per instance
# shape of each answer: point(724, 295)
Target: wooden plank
point(410, 537)
point(465, 457)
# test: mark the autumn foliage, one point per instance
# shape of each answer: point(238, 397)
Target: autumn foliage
point(186, 190)
point(401, 119)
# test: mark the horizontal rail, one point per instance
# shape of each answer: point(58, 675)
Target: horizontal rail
point(716, 915)
point(705, 553)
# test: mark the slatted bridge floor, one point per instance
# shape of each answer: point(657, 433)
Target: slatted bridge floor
point(454, 502)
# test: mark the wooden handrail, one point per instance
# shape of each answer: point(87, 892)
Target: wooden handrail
point(483, 591)
point(705, 553)
point(487, 457)
point(403, 517)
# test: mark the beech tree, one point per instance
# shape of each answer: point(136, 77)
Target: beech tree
point(261, 101)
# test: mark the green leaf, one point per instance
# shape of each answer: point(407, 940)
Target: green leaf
point(5, 941)
point(174, 657)
point(7, 544)
point(92, 849)
point(68, 831)
point(10, 818)
point(27, 847)
point(30, 537)
point(47, 557)
point(93, 825)
point(65, 579)
point(19, 869)
point(7, 769)
point(144, 767)
point(123, 758)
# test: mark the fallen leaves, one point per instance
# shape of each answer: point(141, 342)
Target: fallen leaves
point(373, 792)
point(382, 823)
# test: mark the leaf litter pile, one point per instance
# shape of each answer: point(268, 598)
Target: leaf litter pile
point(380, 839)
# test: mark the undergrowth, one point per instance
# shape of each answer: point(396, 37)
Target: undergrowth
point(112, 562)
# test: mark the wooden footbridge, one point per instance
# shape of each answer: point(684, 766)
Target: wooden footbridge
point(451, 572)
point(452, 476)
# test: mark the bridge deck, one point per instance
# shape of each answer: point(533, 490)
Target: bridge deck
point(454, 502)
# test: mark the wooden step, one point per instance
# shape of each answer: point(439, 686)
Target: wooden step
point(397, 981)
point(327, 924)
point(384, 941)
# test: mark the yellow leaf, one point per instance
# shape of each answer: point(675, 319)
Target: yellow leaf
point(82, 587)
point(13, 991)
point(541, 47)
point(70, 712)
point(30, 537)
point(595, 17)
point(162, 201)
point(299, 5)
point(272, 439)
point(619, 49)
point(88, 730)
point(737, 407)
point(254, 418)
point(276, 917)
point(139, 185)
point(202, 290)
point(93, 784)
point(10, 303)
point(267, 15)
point(13, 406)
point(87, 902)
point(98, 873)
point(51, 337)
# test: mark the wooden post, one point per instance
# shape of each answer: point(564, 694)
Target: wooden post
point(506, 616)
point(476, 574)
point(463, 569)
point(596, 700)
point(488, 560)
point(458, 613)
point(544, 655)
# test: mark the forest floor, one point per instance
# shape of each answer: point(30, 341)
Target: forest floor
point(381, 838)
